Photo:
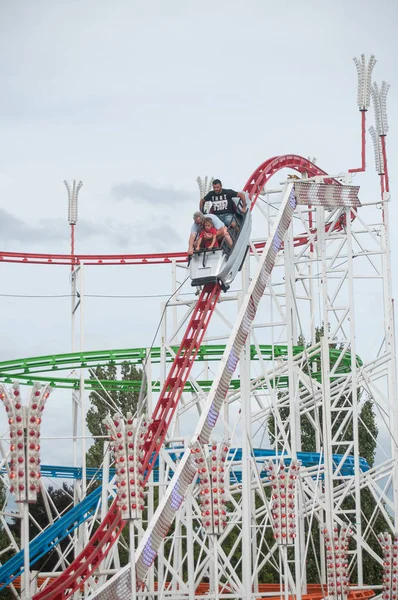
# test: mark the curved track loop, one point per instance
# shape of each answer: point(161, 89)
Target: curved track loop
point(84, 565)
point(259, 179)
point(254, 187)
point(27, 370)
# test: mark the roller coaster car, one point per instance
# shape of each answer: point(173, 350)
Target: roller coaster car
point(222, 264)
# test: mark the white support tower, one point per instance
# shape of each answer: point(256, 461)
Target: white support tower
point(316, 300)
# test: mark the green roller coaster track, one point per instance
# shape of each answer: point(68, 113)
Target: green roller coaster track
point(43, 368)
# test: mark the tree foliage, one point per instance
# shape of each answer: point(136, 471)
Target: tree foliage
point(104, 403)
point(59, 501)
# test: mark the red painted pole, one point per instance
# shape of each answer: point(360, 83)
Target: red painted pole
point(72, 246)
point(384, 151)
point(363, 145)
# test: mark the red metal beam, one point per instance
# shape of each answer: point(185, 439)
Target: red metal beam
point(92, 259)
point(362, 168)
point(255, 184)
point(178, 375)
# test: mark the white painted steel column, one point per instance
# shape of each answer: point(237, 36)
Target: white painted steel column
point(354, 398)
point(315, 291)
point(25, 583)
point(25, 542)
point(74, 306)
point(161, 461)
point(318, 290)
point(327, 433)
point(133, 582)
point(105, 481)
point(75, 407)
point(162, 488)
point(177, 558)
point(81, 531)
point(294, 408)
point(214, 542)
point(148, 372)
point(151, 488)
point(325, 370)
point(190, 548)
point(254, 547)
point(82, 394)
point(246, 451)
point(283, 549)
point(390, 343)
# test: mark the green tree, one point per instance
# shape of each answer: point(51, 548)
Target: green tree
point(105, 403)
point(62, 500)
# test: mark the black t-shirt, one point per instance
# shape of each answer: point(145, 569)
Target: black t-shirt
point(222, 203)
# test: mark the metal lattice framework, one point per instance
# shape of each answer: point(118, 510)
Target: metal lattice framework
point(185, 472)
point(326, 233)
point(307, 390)
point(302, 288)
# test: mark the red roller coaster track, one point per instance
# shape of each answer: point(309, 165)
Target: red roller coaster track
point(106, 535)
point(178, 375)
point(254, 186)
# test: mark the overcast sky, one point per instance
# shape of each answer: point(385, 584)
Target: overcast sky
point(137, 99)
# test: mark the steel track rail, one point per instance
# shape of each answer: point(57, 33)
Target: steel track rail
point(43, 368)
point(254, 187)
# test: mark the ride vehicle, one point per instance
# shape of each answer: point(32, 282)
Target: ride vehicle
point(221, 265)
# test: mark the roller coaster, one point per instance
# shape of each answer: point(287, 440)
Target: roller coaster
point(300, 278)
point(27, 368)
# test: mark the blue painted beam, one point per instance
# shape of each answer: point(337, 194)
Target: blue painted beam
point(49, 538)
point(66, 524)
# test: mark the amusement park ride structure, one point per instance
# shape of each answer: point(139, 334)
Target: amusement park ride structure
point(218, 513)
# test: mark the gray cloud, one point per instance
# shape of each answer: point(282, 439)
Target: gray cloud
point(143, 191)
point(155, 235)
point(14, 229)
point(114, 232)
point(158, 236)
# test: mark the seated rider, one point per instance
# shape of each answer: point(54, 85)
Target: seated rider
point(208, 235)
point(197, 228)
point(222, 204)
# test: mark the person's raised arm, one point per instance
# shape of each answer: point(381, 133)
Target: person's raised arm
point(242, 196)
point(191, 243)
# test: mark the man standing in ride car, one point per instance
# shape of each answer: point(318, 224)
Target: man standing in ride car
point(222, 204)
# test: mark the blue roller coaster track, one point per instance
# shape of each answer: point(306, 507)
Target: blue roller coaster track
point(67, 523)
